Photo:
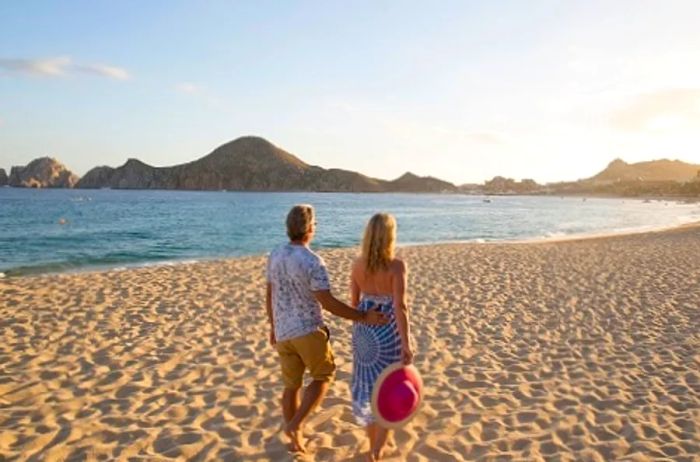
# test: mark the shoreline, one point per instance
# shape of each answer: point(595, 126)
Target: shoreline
point(99, 269)
point(680, 198)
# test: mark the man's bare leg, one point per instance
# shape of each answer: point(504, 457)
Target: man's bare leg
point(290, 405)
point(313, 395)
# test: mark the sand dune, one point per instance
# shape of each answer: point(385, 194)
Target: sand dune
point(584, 350)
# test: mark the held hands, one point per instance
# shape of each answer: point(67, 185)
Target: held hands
point(375, 317)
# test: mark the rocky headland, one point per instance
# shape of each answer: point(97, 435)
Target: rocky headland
point(44, 172)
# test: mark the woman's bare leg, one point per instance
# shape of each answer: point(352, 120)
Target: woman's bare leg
point(372, 435)
point(380, 436)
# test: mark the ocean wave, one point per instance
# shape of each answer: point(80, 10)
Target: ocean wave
point(120, 230)
point(105, 264)
point(557, 234)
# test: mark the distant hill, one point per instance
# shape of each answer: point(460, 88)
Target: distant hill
point(655, 170)
point(408, 182)
point(3, 177)
point(248, 164)
point(254, 164)
point(43, 172)
point(656, 178)
point(501, 185)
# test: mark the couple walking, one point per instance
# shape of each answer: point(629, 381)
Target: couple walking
point(298, 288)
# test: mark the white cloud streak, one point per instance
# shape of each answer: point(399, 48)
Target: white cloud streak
point(53, 67)
point(104, 70)
point(60, 66)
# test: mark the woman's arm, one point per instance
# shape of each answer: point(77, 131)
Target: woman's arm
point(354, 286)
point(398, 285)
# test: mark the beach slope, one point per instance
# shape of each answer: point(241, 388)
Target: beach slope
point(582, 350)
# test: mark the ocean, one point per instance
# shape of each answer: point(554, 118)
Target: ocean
point(57, 230)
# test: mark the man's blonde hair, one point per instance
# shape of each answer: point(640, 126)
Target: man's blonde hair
point(378, 243)
point(300, 220)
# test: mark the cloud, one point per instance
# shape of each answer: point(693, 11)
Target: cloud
point(103, 70)
point(47, 67)
point(59, 67)
point(188, 88)
point(659, 111)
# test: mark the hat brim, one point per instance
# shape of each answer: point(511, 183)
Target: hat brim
point(390, 369)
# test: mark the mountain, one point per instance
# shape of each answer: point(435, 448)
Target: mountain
point(656, 178)
point(43, 172)
point(96, 178)
point(247, 164)
point(254, 164)
point(655, 170)
point(501, 185)
point(408, 182)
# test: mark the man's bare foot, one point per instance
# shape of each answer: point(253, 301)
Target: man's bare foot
point(296, 444)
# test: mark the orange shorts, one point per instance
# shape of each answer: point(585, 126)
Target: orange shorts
point(311, 351)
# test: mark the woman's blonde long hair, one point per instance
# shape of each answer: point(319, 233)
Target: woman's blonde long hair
point(378, 242)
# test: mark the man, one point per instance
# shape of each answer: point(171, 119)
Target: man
point(297, 289)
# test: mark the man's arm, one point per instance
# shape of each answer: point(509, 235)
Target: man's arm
point(268, 308)
point(338, 308)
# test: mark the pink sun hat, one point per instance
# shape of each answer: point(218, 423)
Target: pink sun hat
point(397, 395)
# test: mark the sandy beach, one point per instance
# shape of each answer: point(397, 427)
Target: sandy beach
point(581, 350)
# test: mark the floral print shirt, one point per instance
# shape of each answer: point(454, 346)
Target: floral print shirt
point(295, 272)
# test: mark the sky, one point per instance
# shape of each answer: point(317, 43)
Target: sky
point(459, 90)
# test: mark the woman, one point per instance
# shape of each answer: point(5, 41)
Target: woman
point(378, 280)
